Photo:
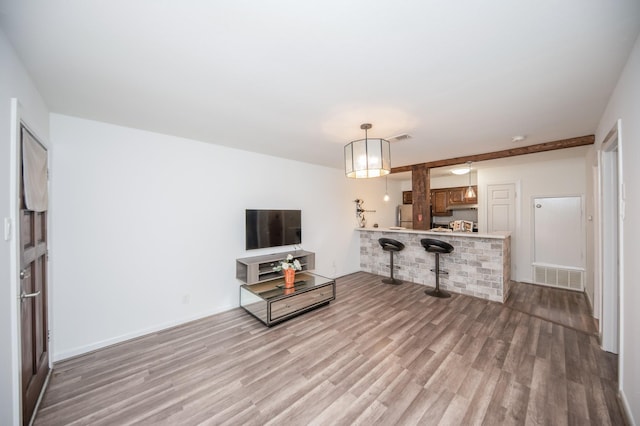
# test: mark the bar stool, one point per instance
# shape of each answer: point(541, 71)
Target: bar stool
point(437, 247)
point(391, 246)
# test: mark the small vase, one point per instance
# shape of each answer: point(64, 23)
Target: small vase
point(289, 277)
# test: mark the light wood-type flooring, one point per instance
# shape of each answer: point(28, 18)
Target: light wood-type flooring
point(565, 307)
point(378, 354)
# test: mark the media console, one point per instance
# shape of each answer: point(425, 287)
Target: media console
point(257, 269)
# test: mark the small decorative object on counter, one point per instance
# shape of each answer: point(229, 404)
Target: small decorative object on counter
point(462, 226)
point(289, 266)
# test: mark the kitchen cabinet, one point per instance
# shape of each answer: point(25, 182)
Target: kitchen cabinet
point(439, 204)
point(456, 196)
point(444, 198)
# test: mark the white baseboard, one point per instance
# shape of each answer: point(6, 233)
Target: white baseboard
point(589, 301)
point(81, 350)
point(627, 408)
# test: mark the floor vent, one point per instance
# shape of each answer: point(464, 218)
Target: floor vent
point(571, 279)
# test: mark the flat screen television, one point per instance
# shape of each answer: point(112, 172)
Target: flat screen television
point(272, 228)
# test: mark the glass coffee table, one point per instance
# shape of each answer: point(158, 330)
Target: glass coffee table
point(271, 302)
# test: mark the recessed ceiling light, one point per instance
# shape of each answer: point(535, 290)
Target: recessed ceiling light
point(518, 138)
point(463, 171)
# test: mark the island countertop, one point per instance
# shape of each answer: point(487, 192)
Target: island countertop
point(498, 234)
point(480, 264)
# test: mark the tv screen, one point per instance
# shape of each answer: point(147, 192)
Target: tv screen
point(272, 228)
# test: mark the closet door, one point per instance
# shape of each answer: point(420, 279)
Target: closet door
point(558, 242)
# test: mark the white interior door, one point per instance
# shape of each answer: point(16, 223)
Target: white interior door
point(501, 214)
point(558, 232)
point(501, 211)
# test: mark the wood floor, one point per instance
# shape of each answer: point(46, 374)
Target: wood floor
point(565, 307)
point(378, 354)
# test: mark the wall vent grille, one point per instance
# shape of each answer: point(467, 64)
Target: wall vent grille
point(571, 279)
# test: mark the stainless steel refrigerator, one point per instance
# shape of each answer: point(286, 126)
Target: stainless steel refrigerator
point(405, 216)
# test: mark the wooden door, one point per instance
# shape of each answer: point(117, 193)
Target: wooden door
point(33, 302)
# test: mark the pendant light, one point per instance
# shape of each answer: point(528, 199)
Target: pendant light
point(367, 158)
point(386, 189)
point(470, 193)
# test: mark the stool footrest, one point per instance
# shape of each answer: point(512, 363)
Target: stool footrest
point(441, 272)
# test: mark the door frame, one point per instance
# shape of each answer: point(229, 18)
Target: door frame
point(18, 119)
point(612, 266)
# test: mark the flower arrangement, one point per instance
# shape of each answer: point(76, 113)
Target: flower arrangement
point(288, 263)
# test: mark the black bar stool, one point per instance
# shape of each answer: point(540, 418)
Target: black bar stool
point(437, 247)
point(391, 246)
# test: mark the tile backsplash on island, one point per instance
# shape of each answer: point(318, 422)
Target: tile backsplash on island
point(478, 266)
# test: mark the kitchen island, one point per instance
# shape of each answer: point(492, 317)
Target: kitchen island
point(480, 264)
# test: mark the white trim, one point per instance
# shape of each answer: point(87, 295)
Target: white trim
point(621, 257)
point(597, 244)
point(14, 259)
point(626, 406)
point(81, 350)
point(613, 142)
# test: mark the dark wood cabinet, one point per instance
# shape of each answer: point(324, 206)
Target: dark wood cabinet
point(407, 197)
point(439, 202)
point(456, 196)
point(443, 198)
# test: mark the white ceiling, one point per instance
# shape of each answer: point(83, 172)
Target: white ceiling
point(296, 79)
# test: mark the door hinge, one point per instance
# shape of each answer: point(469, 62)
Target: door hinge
point(48, 335)
point(7, 228)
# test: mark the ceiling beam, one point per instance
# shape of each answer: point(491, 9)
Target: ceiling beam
point(531, 149)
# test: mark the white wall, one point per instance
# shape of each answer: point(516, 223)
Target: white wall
point(624, 104)
point(14, 83)
point(450, 180)
point(147, 227)
point(546, 174)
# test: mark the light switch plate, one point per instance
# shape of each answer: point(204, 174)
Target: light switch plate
point(7, 228)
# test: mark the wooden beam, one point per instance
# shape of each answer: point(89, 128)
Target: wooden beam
point(420, 187)
point(531, 149)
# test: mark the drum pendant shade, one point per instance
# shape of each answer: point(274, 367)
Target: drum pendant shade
point(367, 158)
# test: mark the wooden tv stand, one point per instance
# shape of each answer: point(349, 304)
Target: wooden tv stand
point(257, 269)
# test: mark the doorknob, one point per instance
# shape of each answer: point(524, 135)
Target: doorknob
point(25, 273)
point(30, 295)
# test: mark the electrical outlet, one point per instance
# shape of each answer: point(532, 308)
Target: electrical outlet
point(186, 299)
